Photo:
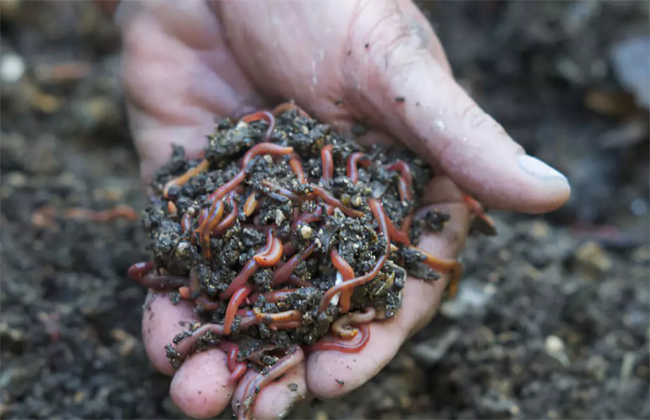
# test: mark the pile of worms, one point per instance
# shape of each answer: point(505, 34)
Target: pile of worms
point(282, 251)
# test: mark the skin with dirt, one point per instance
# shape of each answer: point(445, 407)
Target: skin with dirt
point(70, 325)
point(280, 210)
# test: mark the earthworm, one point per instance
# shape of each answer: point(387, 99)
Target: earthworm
point(137, 270)
point(341, 326)
point(237, 373)
point(214, 217)
point(262, 115)
point(229, 220)
point(354, 161)
point(307, 218)
point(342, 346)
point(378, 212)
point(272, 254)
point(327, 161)
point(157, 282)
point(185, 345)
point(298, 282)
point(275, 296)
point(397, 235)
point(288, 325)
point(282, 191)
point(287, 316)
point(404, 169)
point(477, 208)
point(183, 179)
point(453, 266)
point(347, 273)
point(184, 291)
point(171, 208)
point(251, 204)
point(232, 350)
point(404, 190)
point(203, 214)
point(194, 286)
point(206, 303)
point(296, 166)
point(233, 306)
point(264, 148)
point(406, 223)
point(220, 192)
point(326, 197)
point(47, 212)
point(293, 357)
point(186, 222)
point(288, 249)
point(283, 273)
point(249, 269)
point(287, 106)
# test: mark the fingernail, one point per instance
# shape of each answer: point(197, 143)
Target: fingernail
point(539, 169)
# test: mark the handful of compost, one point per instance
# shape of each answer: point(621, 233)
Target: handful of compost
point(283, 234)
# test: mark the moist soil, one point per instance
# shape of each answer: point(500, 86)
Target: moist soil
point(551, 320)
point(285, 180)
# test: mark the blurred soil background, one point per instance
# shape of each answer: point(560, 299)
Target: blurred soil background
point(552, 317)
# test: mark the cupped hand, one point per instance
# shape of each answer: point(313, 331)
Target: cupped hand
point(375, 62)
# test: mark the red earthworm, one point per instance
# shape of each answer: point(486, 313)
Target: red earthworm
point(275, 296)
point(326, 197)
point(288, 325)
point(296, 166)
point(406, 223)
point(184, 346)
point(220, 192)
point(233, 306)
point(264, 148)
point(293, 358)
point(191, 173)
point(308, 218)
point(232, 350)
point(404, 190)
point(206, 303)
point(184, 291)
point(251, 204)
point(298, 282)
point(194, 286)
point(354, 160)
point(137, 270)
point(287, 316)
point(327, 162)
point(397, 235)
point(171, 208)
point(288, 249)
point(213, 219)
point(229, 220)
point(378, 212)
point(454, 268)
point(157, 282)
point(341, 326)
point(272, 254)
point(283, 273)
point(330, 344)
point(262, 115)
point(203, 215)
point(282, 191)
point(282, 108)
point(186, 222)
point(329, 209)
point(404, 169)
point(249, 269)
point(477, 208)
point(347, 273)
point(237, 373)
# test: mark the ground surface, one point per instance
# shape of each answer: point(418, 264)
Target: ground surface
point(552, 318)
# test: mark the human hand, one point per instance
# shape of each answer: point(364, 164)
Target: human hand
point(187, 61)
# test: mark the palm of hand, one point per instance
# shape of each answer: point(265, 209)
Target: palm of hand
point(185, 62)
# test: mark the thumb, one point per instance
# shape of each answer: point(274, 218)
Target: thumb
point(421, 103)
